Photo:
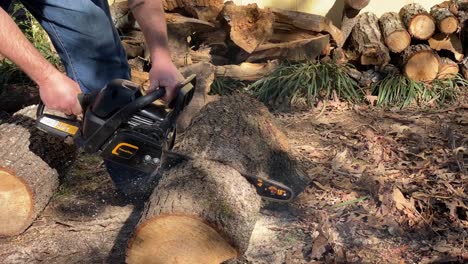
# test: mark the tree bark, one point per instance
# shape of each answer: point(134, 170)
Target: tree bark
point(293, 20)
point(203, 210)
point(447, 68)
point(249, 25)
point(450, 43)
point(30, 163)
point(394, 32)
point(170, 5)
point(367, 40)
point(445, 20)
point(418, 21)
point(421, 63)
point(464, 68)
point(299, 50)
point(350, 12)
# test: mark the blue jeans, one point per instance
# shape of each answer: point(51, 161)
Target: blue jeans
point(89, 46)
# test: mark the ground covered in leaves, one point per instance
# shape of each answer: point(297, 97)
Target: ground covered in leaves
point(388, 186)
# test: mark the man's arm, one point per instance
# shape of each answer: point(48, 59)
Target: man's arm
point(151, 19)
point(57, 90)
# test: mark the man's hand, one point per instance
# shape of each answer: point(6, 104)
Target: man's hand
point(164, 73)
point(58, 92)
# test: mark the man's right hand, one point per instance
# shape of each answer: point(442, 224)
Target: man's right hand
point(58, 92)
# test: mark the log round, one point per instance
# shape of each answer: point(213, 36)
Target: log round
point(418, 21)
point(448, 69)
point(394, 32)
point(203, 210)
point(29, 162)
point(421, 63)
point(367, 40)
point(446, 21)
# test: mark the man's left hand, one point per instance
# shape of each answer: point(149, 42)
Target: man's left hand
point(164, 73)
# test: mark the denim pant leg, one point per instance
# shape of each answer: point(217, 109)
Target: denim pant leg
point(88, 44)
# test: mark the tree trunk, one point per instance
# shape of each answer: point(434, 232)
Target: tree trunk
point(293, 20)
point(394, 32)
point(445, 20)
point(30, 162)
point(447, 69)
point(421, 63)
point(203, 210)
point(450, 43)
point(367, 40)
point(350, 12)
point(418, 21)
point(299, 50)
point(249, 25)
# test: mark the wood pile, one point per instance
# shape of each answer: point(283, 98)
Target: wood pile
point(424, 44)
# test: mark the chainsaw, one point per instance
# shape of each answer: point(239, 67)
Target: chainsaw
point(125, 126)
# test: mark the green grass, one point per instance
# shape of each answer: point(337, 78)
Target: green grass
point(226, 86)
point(402, 92)
point(9, 72)
point(306, 83)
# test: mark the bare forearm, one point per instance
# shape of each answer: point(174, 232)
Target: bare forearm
point(151, 18)
point(16, 47)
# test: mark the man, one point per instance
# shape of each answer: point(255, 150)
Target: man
point(87, 42)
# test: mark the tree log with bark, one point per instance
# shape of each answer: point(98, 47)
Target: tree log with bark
point(204, 210)
point(445, 20)
point(421, 63)
point(418, 21)
point(394, 32)
point(367, 40)
point(447, 68)
point(350, 13)
point(30, 162)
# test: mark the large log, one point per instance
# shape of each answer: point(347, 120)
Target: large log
point(203, 211)
point(418, 21)
point(14, 97)
point(421, 63)
point(350, 13)
point(30, 163)
point(293, 20)
point(445, 20)
point(298, 50)
point(450, 43)
point(394, 32)
point(246, 71)
point(249, 25)
point(367, 40)
point(447, 69)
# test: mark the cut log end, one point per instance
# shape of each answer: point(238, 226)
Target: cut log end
point(422, 27)
point(449, 25)
point(398, 41)
point(178, 239)
point(16, 204)
point(422, 66)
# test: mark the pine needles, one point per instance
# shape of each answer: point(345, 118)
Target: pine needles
point(307, 82)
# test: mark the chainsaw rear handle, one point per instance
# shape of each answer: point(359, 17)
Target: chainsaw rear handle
point(83, 99)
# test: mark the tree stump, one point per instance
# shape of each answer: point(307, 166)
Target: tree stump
point(30, 162)
point(394, 32)
point(445, 20)
point(421, 63)
point(367, 40)
point(203, 210)
point(418, 21)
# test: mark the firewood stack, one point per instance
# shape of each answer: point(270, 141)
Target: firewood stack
point(424, 44)
point(230, 36)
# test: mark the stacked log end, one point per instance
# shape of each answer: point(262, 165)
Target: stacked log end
point(394, 32)
point(446, 21)
point(367, 40)
point(418, 21)
point(421, 63)
point(447, 69)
